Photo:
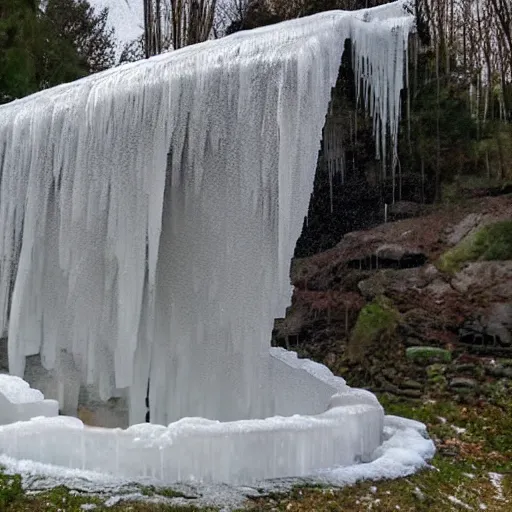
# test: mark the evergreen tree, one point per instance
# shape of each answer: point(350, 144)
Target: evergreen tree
point(76, 22)
point(42, 48)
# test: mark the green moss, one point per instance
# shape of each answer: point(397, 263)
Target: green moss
point(377, 321)
point(492, 242)
point(166, 492)
point(10, 490)
point(435, 370)
point(428, 355)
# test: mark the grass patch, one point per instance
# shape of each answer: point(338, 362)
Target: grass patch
point(166, 492)
point(459, 477)
point(492, 242)
point(427, 355)
point(10, 490)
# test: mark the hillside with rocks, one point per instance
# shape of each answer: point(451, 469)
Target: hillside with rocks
point(413, 307)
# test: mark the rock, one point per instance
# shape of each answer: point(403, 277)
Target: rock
point(500, 372)
point(438, 287)
point(472, 369)
point(493, 277)
point(405, 209)
point(387, 386)
point(374, 286)
point(389, 373)
point(396, 252)
point(411, 384)
point(428, 355)
point(430, 272)
point(499, 322)
point(417, 320)
point(436, 369)
point(466, 225)
point(463, 383)
point(376, 324)
point(410, 393)
point(330, 359)
point(439, 381)
point(410, 341)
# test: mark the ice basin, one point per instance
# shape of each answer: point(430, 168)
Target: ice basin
point(348, 430)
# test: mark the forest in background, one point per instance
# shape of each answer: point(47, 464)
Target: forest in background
point(455, 136)
point(46, 44)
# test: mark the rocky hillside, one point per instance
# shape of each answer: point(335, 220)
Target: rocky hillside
point(412, 307)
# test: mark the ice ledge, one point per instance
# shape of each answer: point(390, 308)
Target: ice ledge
point(195, 449)
point(19, 402)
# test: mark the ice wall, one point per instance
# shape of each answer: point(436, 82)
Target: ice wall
point(195, 449)
point(148, 214)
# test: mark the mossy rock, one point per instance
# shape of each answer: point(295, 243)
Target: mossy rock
point(376, 322)
point(492, 242)
point(439, 382)
point(435, 370)
point(428, 355)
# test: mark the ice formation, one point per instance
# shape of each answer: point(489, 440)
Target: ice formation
point(405, 450)
point(149, 213)
point(197, 449)
point(19, 402)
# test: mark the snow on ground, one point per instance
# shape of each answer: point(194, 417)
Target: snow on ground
point(405, 450)
point(456, 501)
point(496, 479)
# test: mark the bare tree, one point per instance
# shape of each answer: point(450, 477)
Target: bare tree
point(152, 27)
point(173, 24)
point(475, 43)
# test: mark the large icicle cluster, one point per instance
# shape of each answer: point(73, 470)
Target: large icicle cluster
point(148, 214)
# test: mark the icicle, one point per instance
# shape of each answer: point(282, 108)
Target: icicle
point(148, 214)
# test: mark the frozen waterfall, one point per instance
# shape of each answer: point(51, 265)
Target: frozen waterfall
point(149, 213)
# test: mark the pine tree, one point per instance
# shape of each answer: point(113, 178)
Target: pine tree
point(76, 22)
point(40, 48)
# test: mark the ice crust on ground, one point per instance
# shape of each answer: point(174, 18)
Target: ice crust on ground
point(404, 451)
point(149, 213)
point(19, 402)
